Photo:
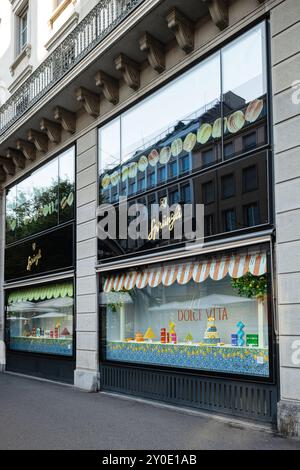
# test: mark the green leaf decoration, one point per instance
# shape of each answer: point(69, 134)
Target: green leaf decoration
point(251, 286)
point(53, 291)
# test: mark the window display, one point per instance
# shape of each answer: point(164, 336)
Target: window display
point(203, 313)
point(40, 319)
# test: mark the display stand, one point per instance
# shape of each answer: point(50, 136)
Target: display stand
point(122, 322)
point(261, 314)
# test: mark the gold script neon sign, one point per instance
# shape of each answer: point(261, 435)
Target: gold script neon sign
point(168, 221)
point(35, 258)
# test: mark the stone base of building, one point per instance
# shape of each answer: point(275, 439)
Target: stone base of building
point(2, 356)
point(87, 380)
point(288, 418)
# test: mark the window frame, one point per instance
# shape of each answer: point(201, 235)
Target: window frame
point(102, 312)
point(27, 175)
point(263, 148)
point(58, 9)
point(40, 354)
point(23, 13)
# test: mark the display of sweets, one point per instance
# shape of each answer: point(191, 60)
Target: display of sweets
point(173, 338)
point(163, 335)
point(234, 339)
point(149, 335)
point(65, 332)
point(211, 335)
point(139, 337)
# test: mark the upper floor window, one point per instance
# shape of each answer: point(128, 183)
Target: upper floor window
point(228, 150)
point(250, 178)
point(228, 186)
point(208, 157)
point(214, 112)
point(208, 192)
point(43, 200)
point(249, 141)
point(61, 11)
point(229, 220)
point(23, 29)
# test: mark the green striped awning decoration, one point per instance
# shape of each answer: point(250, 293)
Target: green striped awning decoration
point(52, 291)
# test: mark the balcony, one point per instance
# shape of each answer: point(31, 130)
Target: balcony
point(104, 18)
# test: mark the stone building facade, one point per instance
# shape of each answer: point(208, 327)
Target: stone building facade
point(93, 62)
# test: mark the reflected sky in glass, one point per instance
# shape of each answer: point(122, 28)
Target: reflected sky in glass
point(152, 119)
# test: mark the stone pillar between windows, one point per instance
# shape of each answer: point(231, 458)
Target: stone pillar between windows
point(87, 341)
point(285, 48)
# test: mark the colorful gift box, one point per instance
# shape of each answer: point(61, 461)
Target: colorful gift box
point(234, 340)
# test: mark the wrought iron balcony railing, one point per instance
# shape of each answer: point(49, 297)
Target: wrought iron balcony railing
point(101, 20)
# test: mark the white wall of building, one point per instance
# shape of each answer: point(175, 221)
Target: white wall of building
point(44, 36)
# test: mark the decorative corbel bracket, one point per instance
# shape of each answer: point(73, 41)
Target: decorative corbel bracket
point(130, 71)
point(155, 51)
point(17, 157)
point(8, 166)
point(2, 175)
point(53, 130)
point(28, 149)
point(90, 101)
point(66, 118)
point(183, 29)
point(39, 140)
point(218, 10)
point(109, 86)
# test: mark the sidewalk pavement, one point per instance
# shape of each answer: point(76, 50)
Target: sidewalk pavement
point(44, 415)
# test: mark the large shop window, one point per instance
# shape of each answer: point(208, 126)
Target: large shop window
point(212, 113)
point(43, 200)
point(208, 314)
point(191, 142)
point(40, 319)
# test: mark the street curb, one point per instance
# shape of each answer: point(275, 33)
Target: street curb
point(229, 420)
point(38, 379)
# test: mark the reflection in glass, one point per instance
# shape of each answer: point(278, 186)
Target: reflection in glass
point(109, 159)
point(245, 89)
point(252, 215)
point(229, 217)
point(250, 179)
point(11, 217)
point(173, 109)
point(224, 191)
point(228, 186)
point(186, 126)
point(165, 134)
point(42, 200)
point(249, 141)
point(37, 201)
point(66, 185)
